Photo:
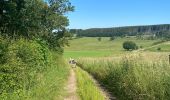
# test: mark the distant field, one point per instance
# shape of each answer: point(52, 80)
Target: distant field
point(91, 47)
point(164, 47)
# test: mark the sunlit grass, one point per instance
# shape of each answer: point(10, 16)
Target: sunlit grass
point(133, 77)
point(91, 47)
point(164, 47)
point(87, 89)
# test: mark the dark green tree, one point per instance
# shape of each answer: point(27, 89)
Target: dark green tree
point(112, 38)
point(35, 19)
point(99, 38)
point(130, 45)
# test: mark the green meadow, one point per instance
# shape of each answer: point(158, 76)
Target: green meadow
point(91, 47)
point(164, 47)
point(127, 75)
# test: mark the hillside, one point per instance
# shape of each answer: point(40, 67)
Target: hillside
point(122, 31)
point(93, 48)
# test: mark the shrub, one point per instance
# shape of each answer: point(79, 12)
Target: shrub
point(112, 38)
point(141, 47)
point(3, 50)
point(25, 59)
point(99, 38)
point(129, 45)
point(159, 49)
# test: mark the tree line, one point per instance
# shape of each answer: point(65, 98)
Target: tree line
point(159, 30)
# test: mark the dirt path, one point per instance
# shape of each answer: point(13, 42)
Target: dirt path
point(71, 87)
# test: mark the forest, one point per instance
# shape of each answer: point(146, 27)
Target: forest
point(158, 30)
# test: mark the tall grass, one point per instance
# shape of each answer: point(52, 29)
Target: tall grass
point(52, 82)
point(87, 89)
point(132, 77)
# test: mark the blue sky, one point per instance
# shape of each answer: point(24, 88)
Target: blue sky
point(115, 13)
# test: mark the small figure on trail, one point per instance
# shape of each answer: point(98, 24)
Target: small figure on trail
point(72, 62)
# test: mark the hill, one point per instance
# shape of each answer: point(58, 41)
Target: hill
point(158, 30)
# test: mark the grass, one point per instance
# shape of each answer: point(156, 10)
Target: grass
point(165, 47)
point(91, 47)
point(87, 89)
point(77, 54)
point(51, 84)
point(133, 77)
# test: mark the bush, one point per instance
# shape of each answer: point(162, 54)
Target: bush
point(129, 45)
point(141, 47)
point(25, 59)
point(3, 50)
point(99, 38)
point(112, 38)
point(159, 49)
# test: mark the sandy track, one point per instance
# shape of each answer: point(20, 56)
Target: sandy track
point(71, 87)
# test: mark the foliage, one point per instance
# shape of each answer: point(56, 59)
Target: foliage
point(28, 69)
point(112, 38)
point(3, 50)
point(29, 30)
point(35, 19)
point(24, 60)
point(99, 38)
point(159, 49)
point(129, 45)
point(123, 31)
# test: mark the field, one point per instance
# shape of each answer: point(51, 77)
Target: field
point(128, 75)
point(91, 47)
point(164, 47)
point(133, 77)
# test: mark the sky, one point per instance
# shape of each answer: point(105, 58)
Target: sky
point(117, 13)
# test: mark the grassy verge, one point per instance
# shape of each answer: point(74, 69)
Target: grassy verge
point(132, 77)
point(87, 89)
point(52, 82)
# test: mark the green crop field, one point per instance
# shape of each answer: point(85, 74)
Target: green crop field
point(91, 47)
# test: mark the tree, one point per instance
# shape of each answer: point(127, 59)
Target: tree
point(130, 45)
point(99, 38)
point(123, 31)
point(112, 38)
point(35, 19)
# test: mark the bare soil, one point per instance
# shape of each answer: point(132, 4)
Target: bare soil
point(71, 87)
